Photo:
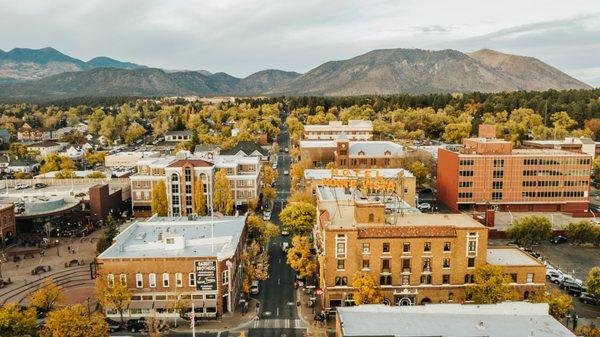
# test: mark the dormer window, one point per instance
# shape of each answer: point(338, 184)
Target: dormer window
point(361, 153)
point(387, 153)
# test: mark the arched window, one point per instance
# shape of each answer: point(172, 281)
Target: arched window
point(174, 177)
point(371, 217)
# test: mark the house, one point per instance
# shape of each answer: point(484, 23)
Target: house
point(178, 136)
point(45, 147)
point(22, 165)
point(247, 149)
point(28, 133)
point(4, 138)
point(73, 153)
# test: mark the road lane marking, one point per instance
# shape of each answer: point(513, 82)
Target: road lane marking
point(278, 281)
point(277, 311)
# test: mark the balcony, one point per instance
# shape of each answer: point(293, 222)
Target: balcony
point(426, 270)
point(386, 271)
point(406, 271)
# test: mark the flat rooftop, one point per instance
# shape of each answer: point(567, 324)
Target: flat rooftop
point(510, 256)
point(508, 319)
point(196, 237)
point(387, 173)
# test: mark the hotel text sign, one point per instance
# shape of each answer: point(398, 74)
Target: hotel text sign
point(206, 275)
point(370, 179)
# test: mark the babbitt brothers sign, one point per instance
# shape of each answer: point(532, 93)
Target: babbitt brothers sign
point(206, 275)
point(361, 179)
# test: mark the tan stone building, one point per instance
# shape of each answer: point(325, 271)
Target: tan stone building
point(416, 258)
point(164, 259)
point(355, 130)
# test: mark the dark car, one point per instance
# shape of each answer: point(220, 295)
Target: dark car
point(39, 185)
point(589, 298)
point(558, 239)
point(136, 324)
point(113, 326)
point(571, 287)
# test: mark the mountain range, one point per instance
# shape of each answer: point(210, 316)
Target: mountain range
point(45, 74)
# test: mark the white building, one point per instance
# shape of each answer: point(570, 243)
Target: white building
point(128, 158)
point(355, 130)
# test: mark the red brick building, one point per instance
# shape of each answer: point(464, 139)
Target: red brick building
point(7, 224)
point(486, 172)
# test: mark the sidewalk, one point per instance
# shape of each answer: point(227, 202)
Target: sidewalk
point(229, 321)
point(306, 313)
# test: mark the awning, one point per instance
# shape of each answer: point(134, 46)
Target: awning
point(162, 304)
point(140, 305)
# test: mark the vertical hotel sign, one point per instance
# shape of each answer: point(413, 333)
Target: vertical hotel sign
point(371, 179)
point(206, 275)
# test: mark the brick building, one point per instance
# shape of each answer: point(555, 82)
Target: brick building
point(355, 130)
point(163, 259)
point(180, 173)
point(486, 172)
point(351, 154)
point(574, 144)
point(8, 228)
point(416, 258)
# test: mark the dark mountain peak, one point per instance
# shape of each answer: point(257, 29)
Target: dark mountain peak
point(107, 62)
point(204, 72)
point(42, 56)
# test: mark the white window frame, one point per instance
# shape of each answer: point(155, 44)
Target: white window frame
point(110, 280)
point(166, 280)
point(179, 280)
point(530, 277)
point(123, 279)
point(475, 240)
point(192, 279)
point(152, 280)
point(139, 280)
point(340, 239)
point(225, 277)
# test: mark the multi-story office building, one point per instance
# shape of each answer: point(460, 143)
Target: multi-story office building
point(180, 173)
point(163, 260)
point(352, 154)
point(486, 172)
point(416, 258)
point(574, 144)
point(355, 130)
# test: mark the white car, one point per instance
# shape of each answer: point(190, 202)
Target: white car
point(254, 290)
point(285, 233)
point(424, 205)
point(267, 215)
point(554, 276)
point(286, 172)
point(285, 246)
point(21, 186)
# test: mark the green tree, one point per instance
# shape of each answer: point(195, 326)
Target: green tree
point(298, 218)
point(420, 171)
point(491, 285)
point(583, 232)
point(199, 198)
point(159, 203)
point(593, 281)
point(110, 232)
point(223, 202)
point(47, 297)
point(559, 304)
point(17, 322)
point(300, 258)
point(366, 289)
point(529, 230)
point(74, 321)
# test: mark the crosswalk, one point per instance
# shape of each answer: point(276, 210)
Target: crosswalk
point(278, 324)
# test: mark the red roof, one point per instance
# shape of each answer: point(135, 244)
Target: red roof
point(406, 232)
point(192, 162)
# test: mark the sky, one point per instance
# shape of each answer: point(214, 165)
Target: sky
point(244, 36)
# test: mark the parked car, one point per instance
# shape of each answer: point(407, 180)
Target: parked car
point(113, 326)
point(558, 239)
point(267, 215)
point(285, 246)
point(254, 289)
point(285, 233)
point(569, 278)
point(589, 298)
point(554, 276)
point(21, 186)
point(424, 205)
point(286, 172)
point(136, 324)
point(571, 287)
point(39, 185)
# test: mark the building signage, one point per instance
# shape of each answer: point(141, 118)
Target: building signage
point(362, 179)
point(206, 275)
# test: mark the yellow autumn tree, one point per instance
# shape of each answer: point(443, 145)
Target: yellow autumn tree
point(116, 297)
point(300, 258)
point(366, 289)
point(16, 321)
point(223, 202)
point(199, 198)
point(47, 297)
point(255, 263)
point(74, 321)
point(491, 285)
point(159, 203)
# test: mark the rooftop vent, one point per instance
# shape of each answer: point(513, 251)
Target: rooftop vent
point(140, 236)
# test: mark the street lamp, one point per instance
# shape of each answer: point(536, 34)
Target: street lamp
point(57, 250)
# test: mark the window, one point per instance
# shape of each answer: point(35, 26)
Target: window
point(123, 279)
point(446, 263)
point(445, 279)
point(366, 248)
point(165, 280)
point(170, 241)
point(192, 279)
point(341, 264)
point(386, 247)
point(340, 243)
point(385, 280)
point(139, 280)
point(406, 247)
point(427, 247)
point(366, 264)
point(447, 246)
point(498, 174)
point(385, 266)
point(498, 162)
point(179, 280)
point(371, 217)
point(110, 280)
point(497, 185)
point(405, 280)
point(529, 278)
point(513, 277)
point(465, 173)
point(427, 264)
point(471, 262)
point(472, 244)
point(465, 184)
point(469, 278)
point(465, 195)
point(341, 281)
point(225, 277)
point(152, 280)
point(425, 279)
point(466, 162)
point(496, 195)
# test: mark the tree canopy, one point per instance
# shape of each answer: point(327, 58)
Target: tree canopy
point(298, 218)
point(300, 258)
point(491, 285)
point(159, 203)
point(366, 289)
point(530, 230)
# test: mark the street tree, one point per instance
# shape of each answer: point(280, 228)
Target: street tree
point(529, 230)
point(297, 170)
point(268, 193)
point(366, 289)
point(302, 196)
point(559, 304)
point(268, 175)
point(298, 218)
point(110, 232)
point(47, 297)
point(261, 230)
point(133, 133)
point(74, 321)
point(199, 198)
point(156, 327)
point(593, 282)
point(420, 171)
point(159, 204)
point(114, 296)
point(300, 258)
point(491, 285)
point(588, 331)
point(17, 322)
point(583, 232)
point(255, 263)
point(223, 202)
